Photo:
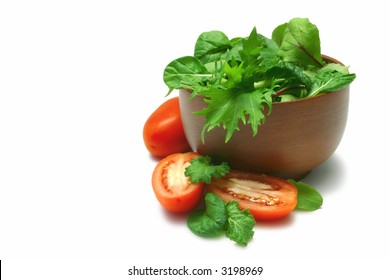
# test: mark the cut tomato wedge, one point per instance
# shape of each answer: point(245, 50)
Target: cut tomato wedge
point(172, 188)
point(266, 197)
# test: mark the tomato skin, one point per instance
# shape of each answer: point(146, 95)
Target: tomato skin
point(282, 193)
point(175, 192)
point(163, 131)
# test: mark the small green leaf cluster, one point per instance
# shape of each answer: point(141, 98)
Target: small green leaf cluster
point(218, 217)
point(202, 170)
point(240, 78)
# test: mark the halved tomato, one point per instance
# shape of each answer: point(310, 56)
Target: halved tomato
point(172, 188)
point(266, 197)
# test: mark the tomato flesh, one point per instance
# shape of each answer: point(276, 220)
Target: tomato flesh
point(172, 188)
point(163, 131)
point(266, 197)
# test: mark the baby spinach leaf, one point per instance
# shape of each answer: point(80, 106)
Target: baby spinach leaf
point(287, 97)
point(240, 224)
point(309, 199)
point(289, 76)
point(210, 221)
point(278, 33)
point(328, 81)
point(299, 42)
point(185, 72)
point(211, 45)
point(335, 67)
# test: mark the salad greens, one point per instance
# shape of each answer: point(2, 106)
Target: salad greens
point(219, 217)
point(240, 78)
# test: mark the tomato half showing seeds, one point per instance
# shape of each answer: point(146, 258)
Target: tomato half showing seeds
point(266, 197)
point(172, 188)
point(163, 131)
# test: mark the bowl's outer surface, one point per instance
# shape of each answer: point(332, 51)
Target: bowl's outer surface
point(296, 137)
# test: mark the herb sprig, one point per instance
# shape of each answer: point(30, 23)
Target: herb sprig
point(202, 170)
point(220, 217)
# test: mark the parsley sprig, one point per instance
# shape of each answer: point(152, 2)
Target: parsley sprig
point(218, 217)
point(202, 170)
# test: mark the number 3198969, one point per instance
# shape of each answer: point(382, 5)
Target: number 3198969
point(241, 270)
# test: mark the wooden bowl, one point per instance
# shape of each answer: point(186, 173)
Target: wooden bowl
point(295, 138)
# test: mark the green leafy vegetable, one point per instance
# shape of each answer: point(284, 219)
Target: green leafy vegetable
point(184, 72)
point(329, 80)
point(218, 217)
point(299, 42)
point(241, 78)
point(309, 199)
point(211, 220)
point(228, 108)
point(239, 223)
point(201, 170)
point(210, 46)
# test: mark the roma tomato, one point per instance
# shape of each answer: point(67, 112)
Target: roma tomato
point(172, 188)
point(266, 197)
point(163, 131)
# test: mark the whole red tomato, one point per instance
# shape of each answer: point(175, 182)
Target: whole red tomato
point(163, 131)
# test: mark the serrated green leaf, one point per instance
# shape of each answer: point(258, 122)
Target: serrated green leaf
point(228, 108)
point(240, 224)
point(233, 74)
point(251, 47)
point(201, 170)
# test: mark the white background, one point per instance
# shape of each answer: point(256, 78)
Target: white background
point(78, 80)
